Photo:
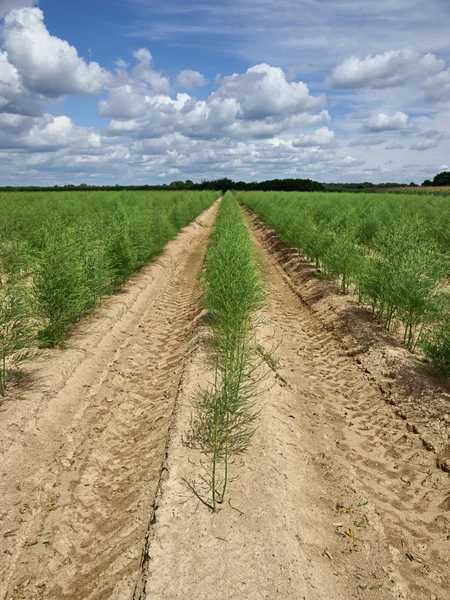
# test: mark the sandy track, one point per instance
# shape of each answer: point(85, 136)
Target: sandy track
point(336, 498)
point(82, 448)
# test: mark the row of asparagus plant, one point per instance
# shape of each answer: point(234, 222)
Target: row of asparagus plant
point(224, 420)
point(61, 253)
point(392, 251)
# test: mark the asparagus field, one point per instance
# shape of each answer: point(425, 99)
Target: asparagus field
point(392, 251)
point(61, 253)
point(234, 398)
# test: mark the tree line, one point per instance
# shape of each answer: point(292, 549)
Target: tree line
point(225, 184)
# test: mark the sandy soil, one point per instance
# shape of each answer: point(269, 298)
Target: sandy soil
point(420, 396)
point(337, 497)
point(82, 440)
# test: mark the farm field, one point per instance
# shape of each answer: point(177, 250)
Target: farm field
point(262, 348)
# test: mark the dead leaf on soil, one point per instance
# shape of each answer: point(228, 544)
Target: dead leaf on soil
point(414, 557)
point(340, 508)
point(10, 533)
point(351, 534)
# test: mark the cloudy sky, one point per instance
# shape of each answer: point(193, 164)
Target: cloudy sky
point(145, 91)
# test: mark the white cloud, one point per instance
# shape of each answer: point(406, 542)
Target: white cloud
point(46, 64)
point(321, 137)
point(383, 122)
point(437, 87)
point(392, 68)
point(425, 144)
point(13, 97)
point(257, 104)
point(46, 134)
point(145, 73)
point(189, 79)
point(7, 5)
point(124, 103)
point(258, 124)
point(367, 141)
point(295, 70)
point(395, 146)
point(263, 91)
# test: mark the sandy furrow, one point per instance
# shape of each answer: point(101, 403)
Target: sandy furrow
point(82, 447)
point(335, 499)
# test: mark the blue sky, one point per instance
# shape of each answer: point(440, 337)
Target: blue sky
point(141, 91)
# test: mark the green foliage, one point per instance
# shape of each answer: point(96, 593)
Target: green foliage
point(436, 346)
point(80, 245)
point(60, 284)
point(17, 331)
point(442, 178)
point(392, 250)
point(225, 418)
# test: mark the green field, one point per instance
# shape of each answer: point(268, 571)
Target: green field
point(391, 250)
point(60, 253)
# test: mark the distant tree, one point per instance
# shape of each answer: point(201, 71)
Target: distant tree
point(442, 178)
point(427, 183)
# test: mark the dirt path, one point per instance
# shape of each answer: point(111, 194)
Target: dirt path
point(336, 498)
point(82, 448)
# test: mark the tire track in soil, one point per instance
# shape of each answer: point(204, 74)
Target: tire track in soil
point(335, 498)
point(78, 527)
point(382, 458)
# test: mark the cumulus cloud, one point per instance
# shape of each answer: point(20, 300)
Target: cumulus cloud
point(7, 5)
point(263, 91)
point(258, 124)
point(189, 79)
point(46, 64)
point(392, 68)
point(145, 72)
point(45, 134)
point(257, 104)
point(321, 137)
point(383, 122)
point(13, 97)
point(437, 87)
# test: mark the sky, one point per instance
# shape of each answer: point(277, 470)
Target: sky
point(149, 92)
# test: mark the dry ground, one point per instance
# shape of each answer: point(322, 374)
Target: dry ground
point(82, 447)
point(337, 498)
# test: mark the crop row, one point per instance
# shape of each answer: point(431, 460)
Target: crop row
point(225, 414)
point(391, 251)
point(60, 254)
